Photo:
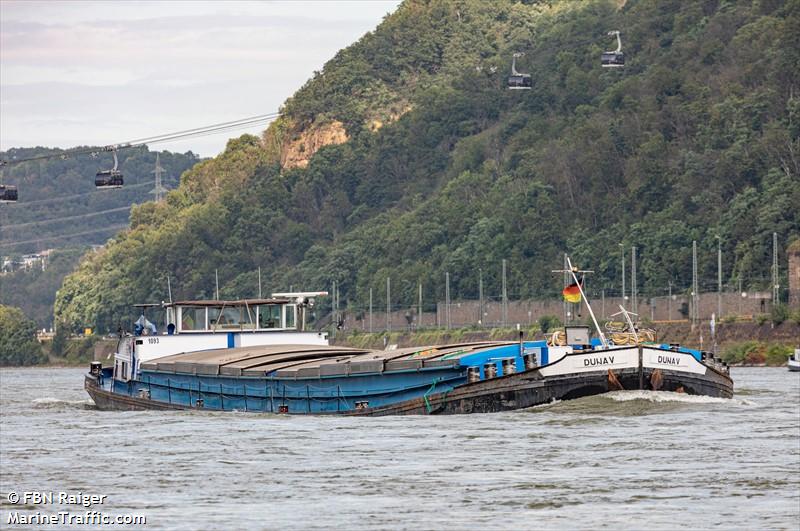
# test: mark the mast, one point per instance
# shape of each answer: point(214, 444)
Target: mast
point(571, 270)
point(627, 315)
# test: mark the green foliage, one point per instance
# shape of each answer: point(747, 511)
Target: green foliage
point(81, 350)
point(778, 354)
point(696, 137)
point(761, 318)
point(59, 344)
point(779, 313)
point(34, 290)
point(795, 316)
point(548, 323)
point(756, 353)
point(745, 352)
point(18, 345)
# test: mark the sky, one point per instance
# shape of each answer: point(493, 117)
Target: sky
point(99, 73)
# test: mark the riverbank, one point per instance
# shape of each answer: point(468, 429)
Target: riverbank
point(745, 344)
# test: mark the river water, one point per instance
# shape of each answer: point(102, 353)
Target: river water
point(626, 460)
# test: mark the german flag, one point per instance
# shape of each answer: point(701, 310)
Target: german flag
point(572, 293)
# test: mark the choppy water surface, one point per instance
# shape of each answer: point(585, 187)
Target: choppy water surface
point(629, 460)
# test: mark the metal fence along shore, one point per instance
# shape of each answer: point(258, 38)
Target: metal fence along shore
point(493, 312)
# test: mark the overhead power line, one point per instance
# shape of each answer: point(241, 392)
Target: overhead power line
point(64, 236)
point(68, 218)
point(59, 199)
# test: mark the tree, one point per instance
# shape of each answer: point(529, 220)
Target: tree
point(18, 345)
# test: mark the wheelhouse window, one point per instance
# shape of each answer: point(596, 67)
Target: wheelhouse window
point(269, 316)
point(193, 318)
point(225, 318)
point(291, 310)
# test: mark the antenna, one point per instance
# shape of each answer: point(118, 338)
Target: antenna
point(572, 271)
point(775, 286)
point(634, 286)
point(695, 287)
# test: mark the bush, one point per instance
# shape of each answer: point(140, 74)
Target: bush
point(548, 323)
point(81, 350)
point(740, 352)
point(777, 354)
point(755, 353)
point(761, 318)
point(18, 345)
point(779, 313)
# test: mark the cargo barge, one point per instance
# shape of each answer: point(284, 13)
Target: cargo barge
point(256, 356)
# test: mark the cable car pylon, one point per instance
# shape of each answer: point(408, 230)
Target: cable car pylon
point(158, 190)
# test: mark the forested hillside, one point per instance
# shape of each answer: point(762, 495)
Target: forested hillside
point(57, 197)
point(34, 290)
point(59, 208)
point(407, 157)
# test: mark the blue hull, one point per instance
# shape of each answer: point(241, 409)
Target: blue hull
point(444, 386)
point(271, 395)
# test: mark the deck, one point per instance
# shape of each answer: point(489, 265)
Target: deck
point(313, 361)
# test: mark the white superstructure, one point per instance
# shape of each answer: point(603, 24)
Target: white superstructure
point(213, 324)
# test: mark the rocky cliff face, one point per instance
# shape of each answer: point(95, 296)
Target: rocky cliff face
point(299, 149)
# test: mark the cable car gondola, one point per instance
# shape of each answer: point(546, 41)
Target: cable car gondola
point(615, 59)
point(8, 193)
point(109, 178)
point(517, 81)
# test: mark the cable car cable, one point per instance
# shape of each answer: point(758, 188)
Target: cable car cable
point(67, 218)
point(187, 133)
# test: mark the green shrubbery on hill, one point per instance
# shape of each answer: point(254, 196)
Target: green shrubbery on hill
point(697, 137)
point(18, 345)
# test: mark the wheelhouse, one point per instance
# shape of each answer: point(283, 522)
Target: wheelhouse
point(254, 315)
